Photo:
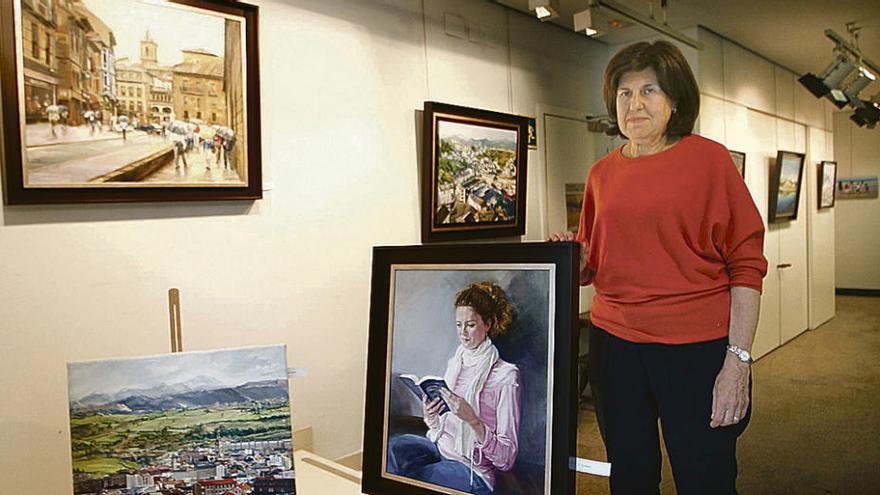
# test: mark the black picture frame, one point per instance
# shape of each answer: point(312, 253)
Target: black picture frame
point(739, 160)
point(785, 186)
point(32, 176)
point(457, 201)
point(391, 303)
point(827, 193)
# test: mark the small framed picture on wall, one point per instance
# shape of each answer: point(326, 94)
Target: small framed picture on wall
point(785, 186)
point(739, 160)
point(473, 173)
point(857, 187)
point(827, 181)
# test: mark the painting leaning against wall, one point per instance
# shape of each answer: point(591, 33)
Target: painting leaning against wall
point(130, 100)
point(471, 341)
point(174, 422)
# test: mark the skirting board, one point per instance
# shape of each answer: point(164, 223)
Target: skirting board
point(857, 292)
point(353, 460)
point(303, 438)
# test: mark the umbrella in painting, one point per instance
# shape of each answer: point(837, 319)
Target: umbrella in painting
point(178, 127)
point(206, 132)
point(226, 133)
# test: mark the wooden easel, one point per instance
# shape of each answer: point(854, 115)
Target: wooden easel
point(174, 316)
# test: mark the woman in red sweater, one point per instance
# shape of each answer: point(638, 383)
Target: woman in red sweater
point(673, 244)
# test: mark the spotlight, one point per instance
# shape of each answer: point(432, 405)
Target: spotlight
point(605, 15)
point(595, 22)
point(851, 93)
point(545, 9)
point(868, 114)
point(833, 75)
point(587, 21)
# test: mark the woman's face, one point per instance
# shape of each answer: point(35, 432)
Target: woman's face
point(643, 109)
point(472, 330)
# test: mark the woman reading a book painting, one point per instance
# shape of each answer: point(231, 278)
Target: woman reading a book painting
point(465, 447)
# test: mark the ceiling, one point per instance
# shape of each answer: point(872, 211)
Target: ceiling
point(788, 32)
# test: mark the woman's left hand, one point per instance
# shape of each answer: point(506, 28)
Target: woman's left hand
point(463, 410)
point(730, 397)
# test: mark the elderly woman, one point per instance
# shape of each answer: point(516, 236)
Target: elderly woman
point(673, 244)
point(479, 434)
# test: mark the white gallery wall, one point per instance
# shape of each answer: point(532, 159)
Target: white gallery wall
point(857, 151)
point(757, 107)
point(342, 82)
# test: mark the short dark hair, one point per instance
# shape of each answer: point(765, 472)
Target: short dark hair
point(673, 73)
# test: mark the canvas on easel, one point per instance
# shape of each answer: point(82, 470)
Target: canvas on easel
point(186, 422)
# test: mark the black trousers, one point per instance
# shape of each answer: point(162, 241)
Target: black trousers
point(633, 386)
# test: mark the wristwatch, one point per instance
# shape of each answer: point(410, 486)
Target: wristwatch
point(741, 354)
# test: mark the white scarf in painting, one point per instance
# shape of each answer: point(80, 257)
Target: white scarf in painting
point(482, 358)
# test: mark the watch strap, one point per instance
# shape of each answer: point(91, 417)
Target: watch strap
point(741, 354)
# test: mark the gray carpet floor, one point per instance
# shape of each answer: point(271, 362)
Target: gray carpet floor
point(815, 425)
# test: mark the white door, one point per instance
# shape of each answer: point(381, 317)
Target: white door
point(569, 153)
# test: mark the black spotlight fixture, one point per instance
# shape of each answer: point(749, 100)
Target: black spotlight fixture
point(828, 83)
point(848, 74)
point(867, 115)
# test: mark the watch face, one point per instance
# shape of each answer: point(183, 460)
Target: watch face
point(742, 354)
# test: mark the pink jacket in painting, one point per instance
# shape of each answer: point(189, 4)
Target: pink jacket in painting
point(499, 412)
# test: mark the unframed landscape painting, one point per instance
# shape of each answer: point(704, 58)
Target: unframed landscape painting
point(193, 422)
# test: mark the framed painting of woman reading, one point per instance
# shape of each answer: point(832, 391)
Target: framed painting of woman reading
point(469, 374)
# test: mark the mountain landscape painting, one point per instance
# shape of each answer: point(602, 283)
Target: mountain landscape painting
point(198, 422)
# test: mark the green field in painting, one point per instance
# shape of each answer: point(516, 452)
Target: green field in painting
point(104, 444)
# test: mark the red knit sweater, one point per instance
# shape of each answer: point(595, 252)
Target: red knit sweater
point(668, 235)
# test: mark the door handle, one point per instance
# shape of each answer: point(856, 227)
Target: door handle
point(783, 265)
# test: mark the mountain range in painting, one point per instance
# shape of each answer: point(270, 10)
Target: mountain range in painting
point(181, 396)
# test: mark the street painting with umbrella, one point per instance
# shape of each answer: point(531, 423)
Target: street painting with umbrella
point(162, 115)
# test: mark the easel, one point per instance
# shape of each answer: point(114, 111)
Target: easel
point(174, 317)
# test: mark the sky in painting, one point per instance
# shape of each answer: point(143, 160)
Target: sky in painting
point(227, 368)
point(447, 129)
point(791, 167)
point(172, 27)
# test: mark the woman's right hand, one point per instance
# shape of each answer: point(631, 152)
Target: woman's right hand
point(586, 273)
point(431, 411)
point(561, 236)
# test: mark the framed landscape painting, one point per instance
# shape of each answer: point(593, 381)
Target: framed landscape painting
point(785, 186)
point(739, 160)
point(193, 422)
point(474, 173)
point(130, 100)
point(471, 363)
point(827, 181)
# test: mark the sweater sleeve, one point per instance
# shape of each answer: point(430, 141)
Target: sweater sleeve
point(741, 243)
point(585, 227)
